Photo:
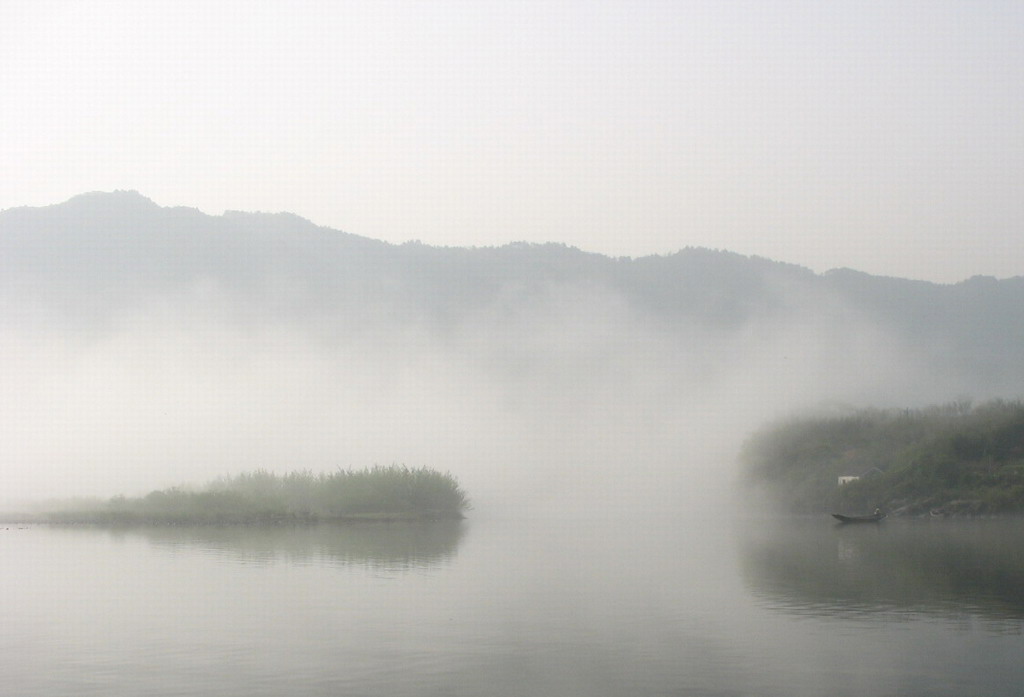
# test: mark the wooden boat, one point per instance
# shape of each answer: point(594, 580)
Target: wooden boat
point(873, 518)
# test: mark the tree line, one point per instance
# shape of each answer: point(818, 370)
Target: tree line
point(952, 459)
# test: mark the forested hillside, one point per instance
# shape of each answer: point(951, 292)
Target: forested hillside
point(955, 459)
point(98, 254)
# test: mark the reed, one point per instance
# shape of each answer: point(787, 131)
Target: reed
point(395, 492)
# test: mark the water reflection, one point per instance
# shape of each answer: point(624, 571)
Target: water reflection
point(387, 546)
point(945, 568)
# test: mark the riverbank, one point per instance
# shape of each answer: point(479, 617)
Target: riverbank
point(955, 460)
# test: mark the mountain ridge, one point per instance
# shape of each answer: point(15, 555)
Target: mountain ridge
point(97, 205)
point(102, 253)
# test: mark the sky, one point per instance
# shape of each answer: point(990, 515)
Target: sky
point(881, 136)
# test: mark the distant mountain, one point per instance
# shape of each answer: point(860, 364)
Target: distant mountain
point(85, 262)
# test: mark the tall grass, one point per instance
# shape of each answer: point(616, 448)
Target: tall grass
point(396, 492)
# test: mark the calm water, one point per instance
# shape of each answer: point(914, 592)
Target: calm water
point(511, 607)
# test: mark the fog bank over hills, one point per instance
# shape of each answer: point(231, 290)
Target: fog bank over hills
point(148, 346)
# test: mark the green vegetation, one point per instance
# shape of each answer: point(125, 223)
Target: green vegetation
point(379, 493)
point(954, 459)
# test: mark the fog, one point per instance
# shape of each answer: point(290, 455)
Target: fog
point(570, 402)
point(148, 347)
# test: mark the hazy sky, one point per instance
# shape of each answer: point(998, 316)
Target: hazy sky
point(883, 136)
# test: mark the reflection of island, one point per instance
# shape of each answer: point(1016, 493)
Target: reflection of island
point(944, 568)
point(390, 546)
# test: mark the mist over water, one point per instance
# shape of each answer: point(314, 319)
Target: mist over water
point(578, 407)
point(592, 409)
point(496, 606)
point(543, 390)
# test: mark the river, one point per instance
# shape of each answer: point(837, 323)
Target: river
point(661, 606)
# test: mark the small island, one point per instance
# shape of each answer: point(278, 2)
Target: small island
point(956, 459)
point(374, 494)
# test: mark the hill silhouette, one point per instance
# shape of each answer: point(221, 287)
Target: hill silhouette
point(103, 253)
